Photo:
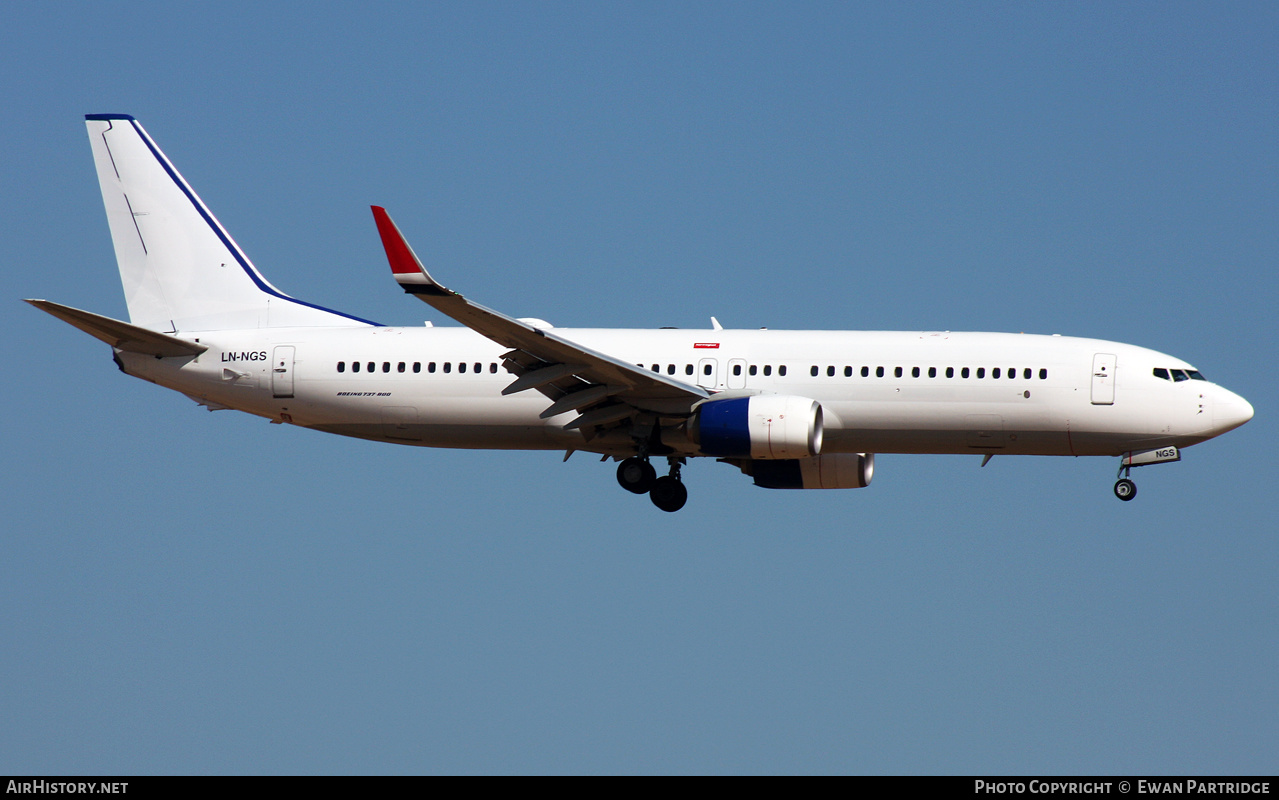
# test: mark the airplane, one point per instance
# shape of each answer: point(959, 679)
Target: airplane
point(790, 409)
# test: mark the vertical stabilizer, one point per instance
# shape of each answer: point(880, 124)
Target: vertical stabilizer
point(180, 268)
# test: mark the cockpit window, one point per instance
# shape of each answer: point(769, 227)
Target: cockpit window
point(1179, 375)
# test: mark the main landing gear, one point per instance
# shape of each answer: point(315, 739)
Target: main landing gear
point(668, 492)
point(636, 475)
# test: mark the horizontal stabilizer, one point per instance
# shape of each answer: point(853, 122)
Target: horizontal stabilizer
point(121, 335)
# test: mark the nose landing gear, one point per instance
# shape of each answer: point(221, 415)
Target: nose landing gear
point(1125, 489)
point(668, 492)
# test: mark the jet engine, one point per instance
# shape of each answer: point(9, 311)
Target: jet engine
point(831, 471)
point(758, 427)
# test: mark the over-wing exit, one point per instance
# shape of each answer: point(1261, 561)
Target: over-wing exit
point(790, 409)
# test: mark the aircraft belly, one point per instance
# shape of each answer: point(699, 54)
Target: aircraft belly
point(461, 436)
point(935, 426)
point(1045, 442)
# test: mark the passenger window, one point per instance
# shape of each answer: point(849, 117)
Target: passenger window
point(813, 371)
point(752, 369)
point(655, 368)
point(461, 366)
point(688, 369)
point(994, 373)
point(417, 366)
point(848, 372)
point(493, 368)
point(865, 372)
point(355, 366)
point(981, 372)
point(879, 372)
point(341, 366)
point(781, 370)
point(950, 372)
point(914, 372)
point(768, 369)
point(430, 367)
point(399, 367)
point(963, 373)
point(897, 372)
point(1026, 373)
point(706, 370)
point(1043, 374)
point(1012, 373)
point(737, 369)
point(386, 366)
point(670, 370)
point(448, 366)
point(932, 372)
point(372, 367)
point(478, 367)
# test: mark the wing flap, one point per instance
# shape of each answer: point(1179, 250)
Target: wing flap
point(542, 376)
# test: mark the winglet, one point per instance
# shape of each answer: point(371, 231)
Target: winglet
point(405, 265)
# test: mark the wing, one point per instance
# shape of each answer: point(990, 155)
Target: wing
point(603, 390)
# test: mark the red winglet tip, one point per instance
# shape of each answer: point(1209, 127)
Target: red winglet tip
point(398, 253)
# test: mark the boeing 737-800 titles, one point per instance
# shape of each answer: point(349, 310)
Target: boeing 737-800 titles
point(791, 409)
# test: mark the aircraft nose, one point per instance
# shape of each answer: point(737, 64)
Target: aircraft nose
point(1229, 411)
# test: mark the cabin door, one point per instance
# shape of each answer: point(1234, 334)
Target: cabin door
point(708, 373)
point(1103, 379)
point(282, 371)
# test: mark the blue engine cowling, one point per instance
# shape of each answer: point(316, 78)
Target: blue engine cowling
point(831, 471)
point(758, 427)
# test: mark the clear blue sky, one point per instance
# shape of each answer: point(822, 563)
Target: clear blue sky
point(191, 592)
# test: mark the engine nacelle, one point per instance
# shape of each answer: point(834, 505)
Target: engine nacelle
point(758, 427)
point(831, 471)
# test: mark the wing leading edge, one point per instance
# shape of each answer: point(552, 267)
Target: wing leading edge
point(604, 390)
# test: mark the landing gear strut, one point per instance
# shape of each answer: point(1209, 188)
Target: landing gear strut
point(1125, 489)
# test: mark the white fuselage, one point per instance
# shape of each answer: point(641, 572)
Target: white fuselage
point(791, 409)
point(881, 392)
